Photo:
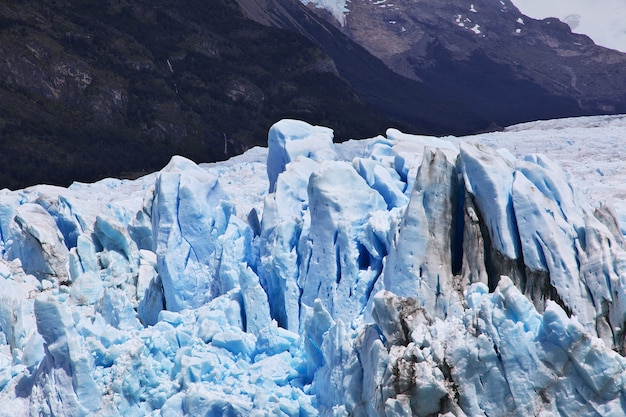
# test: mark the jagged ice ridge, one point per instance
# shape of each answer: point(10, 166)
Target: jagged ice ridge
point(401, 275)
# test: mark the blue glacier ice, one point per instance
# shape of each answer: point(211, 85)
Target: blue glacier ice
point(393, 276)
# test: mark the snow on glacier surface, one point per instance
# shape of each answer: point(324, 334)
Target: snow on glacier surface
point(397, 275)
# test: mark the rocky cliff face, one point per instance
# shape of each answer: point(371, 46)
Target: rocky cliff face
point(487, 56)
point(411, 36)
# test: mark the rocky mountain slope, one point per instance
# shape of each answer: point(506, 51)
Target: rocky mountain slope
point(89, 90)
point(604, 21)
point(116, 88)
point(401, 98)
point(486, 56)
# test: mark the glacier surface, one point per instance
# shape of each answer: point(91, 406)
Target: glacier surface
point(398, 275)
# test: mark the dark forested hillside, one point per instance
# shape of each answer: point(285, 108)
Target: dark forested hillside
point(94, 89)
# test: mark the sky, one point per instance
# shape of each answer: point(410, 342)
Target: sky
point(604, 21)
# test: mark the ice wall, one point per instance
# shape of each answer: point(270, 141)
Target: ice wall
point(410, 276)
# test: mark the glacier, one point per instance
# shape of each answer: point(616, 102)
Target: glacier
point(392, 276)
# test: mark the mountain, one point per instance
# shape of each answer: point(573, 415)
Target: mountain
point(392, 276)
point(486, 56)
point(116, 89)
point(90, 90)
point(407, 102)
point(603, 21)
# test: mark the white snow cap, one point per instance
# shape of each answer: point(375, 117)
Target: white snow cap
point(337, 8)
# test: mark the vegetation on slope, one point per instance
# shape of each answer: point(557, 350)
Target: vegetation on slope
point(114, 88)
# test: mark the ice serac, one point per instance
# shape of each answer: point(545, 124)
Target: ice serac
point(501, 358)
point(289, 139)
point(189, 213)
point(567, 249)
point(338, 268)
point(386, 181)
point(38, 243)
point(421, 263)
point(403, 275)
point(64, 382)
point(18, 327)
point(548, 244)
point(312, 229)
point(285, 217)
point(536, 360)
point(561, 254)
point(488, 179)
